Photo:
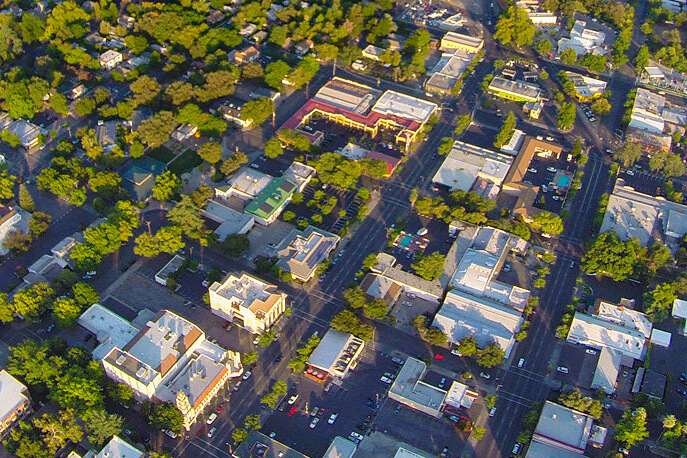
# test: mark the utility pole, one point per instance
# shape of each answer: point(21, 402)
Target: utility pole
point(334, 71)
point(148, 224)
point(274, 119)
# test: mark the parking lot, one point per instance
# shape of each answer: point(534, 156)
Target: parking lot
point(343, 200)
point(643, 180)
point(347, 400)
point(437, 235)
point(542, 172)
point(581, 366)
point(190, 283)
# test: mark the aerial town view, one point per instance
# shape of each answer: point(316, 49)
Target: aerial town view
point(339, 228)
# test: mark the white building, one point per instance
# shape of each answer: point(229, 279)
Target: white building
point(373, 52)
point(29, 134)
point(110, 59)
point(542, 18)
point(168, 359)
point(647, 111)
point(467, 163)
point(15, 404)
point(301, 252)
point(676, 6)
point(245, 184)
point(596, 332)
point(12, 218)
point(230, 221)
point(248, 302)
point(560, 432)
point(119, 448)
point(411, 390)
point(336, 354)
point(583, 40)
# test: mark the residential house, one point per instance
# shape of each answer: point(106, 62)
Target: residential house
point(110, 59)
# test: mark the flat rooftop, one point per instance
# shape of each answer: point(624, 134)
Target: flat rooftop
point(564, 426)
point(465, 163)
point(259, 445)
point(520, 88)
point(348, 95)
point(249, 181)
point(623, 316)
point(462, 39)
point(595, 332)
point(12, 394)
point(247, 291)
point(335, 351)
point(110, 329)
point(408, 384)
point(119, 448)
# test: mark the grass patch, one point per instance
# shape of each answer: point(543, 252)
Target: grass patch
point(185, 162)
point(161, 154)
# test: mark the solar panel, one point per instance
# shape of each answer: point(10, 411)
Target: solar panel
point(287, 186)
point(266, 208)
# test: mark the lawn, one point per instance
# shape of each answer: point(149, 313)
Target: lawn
point(161, 154)
point(185, 162)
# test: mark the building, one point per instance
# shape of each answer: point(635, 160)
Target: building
point(139, 175)
point(12, 218)
point(680, 312)
point(409, 389)
point(246, 184)
point(174, 264)
point(647, 111)
point(606, 372)
point(271, 201)
point(394, 42)
point(119, 448)
point(110, 59)
point(300, 174)
point(373, 52)
point(15, 404)
point(231, 111)
point(230, 221)
point(248, 302)
point(336, 354)
point(595, 332)
point(448, 71)
point(514, 144)
point(459, 41)
point(77, 91)
point(340, 448)
point(632, 214)
point(542, 18)
point(247, 55)
point(301, 252)
point(460, 396)
point(29, 134)
point(184, 132)
point(106, 135)
point(561, 429)
point(465, 164)
point(364, 108)
point(258, 445)
point(676, 6)
point(167, 360)
point(303, 47)
point(516, 90)
point(586, 88)
point(654, 121)
point(583, 40)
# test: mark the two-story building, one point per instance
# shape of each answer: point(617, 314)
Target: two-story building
point(15, 404)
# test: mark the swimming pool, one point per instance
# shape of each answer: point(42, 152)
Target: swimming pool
point(405, 241)
point(563, 181)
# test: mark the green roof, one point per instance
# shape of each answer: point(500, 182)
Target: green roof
point(271, 198)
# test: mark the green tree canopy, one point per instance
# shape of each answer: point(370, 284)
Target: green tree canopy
point(429, 267)
point(514, 26)
point(631, 428)
point(166, 186)
point(629, 153)
point(611, 257)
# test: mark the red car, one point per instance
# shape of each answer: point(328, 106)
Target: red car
point(439, 357)
point(292, 411)
point(220, 408)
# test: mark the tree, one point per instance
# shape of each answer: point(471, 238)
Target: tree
point(249, 358)
point(492, 355)
point(355, 297)
point(158, 129)
point(85, 257)
point(631, 428)
point(186, 215)
point(515, 26)
point(463, 123)
point(642, 59)
point(547, 223)
point(39, 222)
point(468, 346)
point(429, 267)
point(445, 146)
point(257, 111)
point(376, 309)
point(31, 302)
point(273, 148)
point(101, 426)
point(601, 106)
point(15, 240)
point(65, 312)
point(85, 295)
point(611, 257)
point(6, 310)
point(166, 186)
point(6, 185)
point(169, 239)
point(146, 245)
point(658, 303)
point(629, 153)
point(211, 152)
point(506, 131)
point(104, 239)
point(294, 140)
point(668, 164)
point(145, 90)
point(543, 46)
point(59, 429)
point(569, 56)
point(235, 245)
point(575, 400)
point(435, 336)
point(566, 115)
point(77, 391)
point(164, 416)
point(31, 27)
point(232, 164)
point(337, 170)
point(420, 323)
point(275, 73)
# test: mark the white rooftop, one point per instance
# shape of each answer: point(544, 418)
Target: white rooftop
point(348, 95)
point(595, 332)
point(408, 385)
point(607, 369)
point(247, 291)
point(560, 425)
point(335, 352)
point(459, 395)
point(249, 181)
point(340, 448)
point(626, 317)
point(679, 309)
point(11, 394)
point(404, 106)
point(465, 163)
point(661, 338)
point(110, 329)
point(119, 448)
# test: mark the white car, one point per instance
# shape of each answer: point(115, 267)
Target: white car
point(293, 399)
point(314, 422)
point(356, 437)
point(456, 352)
point(171, 434)
point(211, 432)
point(631, 173)
point(212, 418)
point(532, 170)
point(386, 380)
point(256, 340)
point(492, 412)
point(246, 375)
point(516, 449)
point(332, 418)
point(589, 351)
point(550, 139)
point(552, 169)
point(556, 198)
point(544, 188)
point(521, 362)
point(562, 369)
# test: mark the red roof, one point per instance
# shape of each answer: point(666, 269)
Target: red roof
point(391, 162)
point(369, 120)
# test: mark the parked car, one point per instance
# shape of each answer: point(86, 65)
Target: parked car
point(314, 411)
point(314, 422)
point(506, 267)
point(562, 369)
point(532, 170)
point(246, 375)
point(397, 360)
point(521, 362)
point(516, 449)
point(442, 382)
point(552, 169)
point(171, 434)
point(293, 399)
point(332, 418)
point(211, 432)
point(292, 412)
point(492, 412)
point(456, 352)
point(356, 436)
point(386, 380)
point(484, 375)
point(211, 419)
point(236, 387)
point(439, 357)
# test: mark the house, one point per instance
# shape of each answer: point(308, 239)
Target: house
point(230, 221)
point(15, 404)
point(300, 174)
point(106, 135)
point(271, 201)
point(248, 30)
point(373, 52)
point(215, 17)
point(246, 184)
point(162, 357)
point(110, 59)
point(542, 18)
point(30, 135)
point(302, 47)
point(231, 111)
point(248, 302)
point(77, 91)
point(301, 252)
point(448, 71)
point(259, 37)
point(184, 132)
point(12, 218)
point(247, 55)
point(119, 448)
point(586, 88)
point(583, 40)
point(394, 42)
point(139, 175)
